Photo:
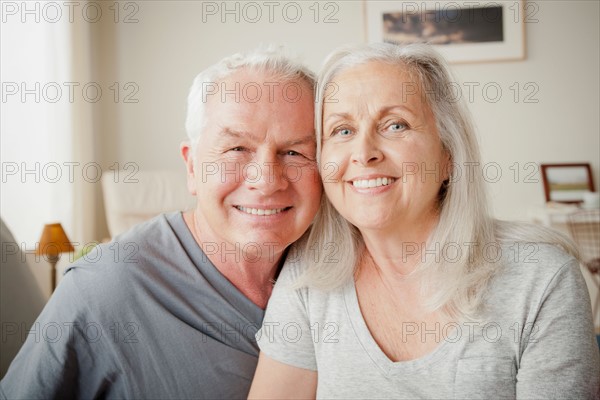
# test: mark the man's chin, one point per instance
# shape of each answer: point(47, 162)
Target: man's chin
point(263, 247)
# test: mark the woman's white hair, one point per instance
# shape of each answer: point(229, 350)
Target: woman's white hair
point(458, 284)
point(271, 60)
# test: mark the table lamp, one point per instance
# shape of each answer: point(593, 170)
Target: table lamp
point(54, 241)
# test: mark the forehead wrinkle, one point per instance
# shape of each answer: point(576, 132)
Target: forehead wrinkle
point(405, 75)
point(362, 106)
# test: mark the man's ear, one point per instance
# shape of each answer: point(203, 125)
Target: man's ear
point(188, 158)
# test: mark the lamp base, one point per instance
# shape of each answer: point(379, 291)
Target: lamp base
point(53, 259)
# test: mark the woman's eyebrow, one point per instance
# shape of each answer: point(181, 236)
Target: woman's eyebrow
point(338, 116)
point(231, 133)
point(385, 110)
point(381, 111)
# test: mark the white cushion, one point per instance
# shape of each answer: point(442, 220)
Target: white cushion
point(127, 203)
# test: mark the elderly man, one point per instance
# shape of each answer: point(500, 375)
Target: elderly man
point(170, 308)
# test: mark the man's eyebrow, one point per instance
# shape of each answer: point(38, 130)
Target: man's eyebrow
point(310, 138)
point(237, 134)
point(303, 140)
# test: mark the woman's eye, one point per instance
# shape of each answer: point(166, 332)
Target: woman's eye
point(342, 132)
point(397, 126)
point(238, 148)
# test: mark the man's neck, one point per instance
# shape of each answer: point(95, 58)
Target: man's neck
point(253, 274)
point(254, 281)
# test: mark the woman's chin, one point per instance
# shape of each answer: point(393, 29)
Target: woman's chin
point(371, 223)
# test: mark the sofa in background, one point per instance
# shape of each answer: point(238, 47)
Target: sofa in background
point(21, 299)
point(133, 198)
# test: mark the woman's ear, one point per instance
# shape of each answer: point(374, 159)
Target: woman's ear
point(447, 167)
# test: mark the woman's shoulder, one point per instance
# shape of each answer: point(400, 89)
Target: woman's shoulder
point(528, 249)
point(531, 269)
point(534, 256)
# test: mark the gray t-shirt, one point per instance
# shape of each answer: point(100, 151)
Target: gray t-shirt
point(536, 342)
point(145, 316)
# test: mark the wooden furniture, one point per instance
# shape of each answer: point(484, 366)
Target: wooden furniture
point(584, 226)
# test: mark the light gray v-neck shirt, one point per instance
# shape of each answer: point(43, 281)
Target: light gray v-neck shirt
point(145, 316)
point(537, 341)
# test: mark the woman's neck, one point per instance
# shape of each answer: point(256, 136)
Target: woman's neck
point(396, 253)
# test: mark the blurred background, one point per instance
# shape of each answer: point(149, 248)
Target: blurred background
point(143, 56)
point(97, 89)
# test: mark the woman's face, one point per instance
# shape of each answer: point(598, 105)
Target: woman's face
point(382, 161)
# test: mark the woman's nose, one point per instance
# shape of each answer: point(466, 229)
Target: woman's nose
point(366, 151)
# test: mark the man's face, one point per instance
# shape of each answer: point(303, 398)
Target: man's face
point(254, 170)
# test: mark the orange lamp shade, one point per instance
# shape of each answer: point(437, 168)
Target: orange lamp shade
point(54, 241)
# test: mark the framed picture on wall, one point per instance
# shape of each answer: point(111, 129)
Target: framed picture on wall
point(462, 31)
point(567, 183)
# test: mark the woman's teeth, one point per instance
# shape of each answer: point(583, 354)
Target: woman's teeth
point(372, 183)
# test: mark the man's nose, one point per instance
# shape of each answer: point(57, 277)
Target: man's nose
point(266, 175)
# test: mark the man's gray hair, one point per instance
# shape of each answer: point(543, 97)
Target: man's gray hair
point(457, 284)
point(270, 60)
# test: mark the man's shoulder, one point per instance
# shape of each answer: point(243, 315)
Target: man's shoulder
point(122, 262)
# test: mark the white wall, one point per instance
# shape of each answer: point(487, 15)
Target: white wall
point(33, 143)
point(563, 62)
point(170, 44)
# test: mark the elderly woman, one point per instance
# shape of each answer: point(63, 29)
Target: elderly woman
point(406, 287)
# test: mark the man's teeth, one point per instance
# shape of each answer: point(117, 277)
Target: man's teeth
point(260, 211)
point(372, 183)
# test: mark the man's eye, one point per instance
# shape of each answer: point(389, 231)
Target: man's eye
point(292, 153)
point(238, 148)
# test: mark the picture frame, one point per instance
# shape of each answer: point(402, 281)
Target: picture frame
point(567, 183)
point(462, 31)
